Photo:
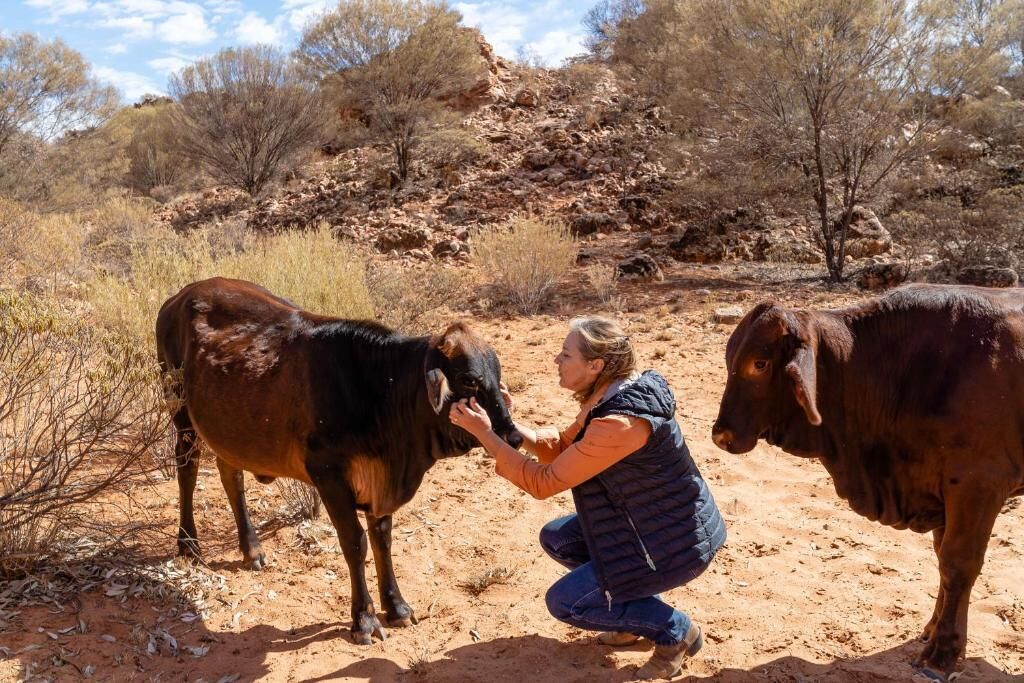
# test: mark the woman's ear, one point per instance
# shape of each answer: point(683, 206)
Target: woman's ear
point(598, 365)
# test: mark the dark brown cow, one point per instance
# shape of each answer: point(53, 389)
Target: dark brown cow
point(914, 402)
point(351, 407)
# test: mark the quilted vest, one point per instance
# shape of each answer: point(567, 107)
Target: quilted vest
point(649, 520)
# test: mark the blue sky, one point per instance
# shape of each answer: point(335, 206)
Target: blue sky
point(135, 44)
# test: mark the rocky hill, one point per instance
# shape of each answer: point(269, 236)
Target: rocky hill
point(552, 142)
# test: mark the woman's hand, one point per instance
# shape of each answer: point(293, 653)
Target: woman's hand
point(505, 396)
point(470, 416)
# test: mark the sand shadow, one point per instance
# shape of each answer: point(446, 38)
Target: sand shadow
point(534, 657)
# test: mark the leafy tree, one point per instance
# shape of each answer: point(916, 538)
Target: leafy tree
point(392, 63)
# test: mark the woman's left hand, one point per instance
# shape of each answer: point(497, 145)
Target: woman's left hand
point(470, 416)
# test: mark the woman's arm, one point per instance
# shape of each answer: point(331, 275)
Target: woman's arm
point(606, 441)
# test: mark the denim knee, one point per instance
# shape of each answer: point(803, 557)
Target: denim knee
point(556, 603)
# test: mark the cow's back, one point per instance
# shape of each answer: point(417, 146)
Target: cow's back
point(933, 388)
point(238, 355)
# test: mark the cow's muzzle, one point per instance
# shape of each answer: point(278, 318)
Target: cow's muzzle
point(513, 438)
point(727, 440)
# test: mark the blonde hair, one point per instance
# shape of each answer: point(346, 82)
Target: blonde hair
point(602, 338)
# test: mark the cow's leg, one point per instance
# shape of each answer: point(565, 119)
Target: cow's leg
point(929, 629)
point(391, 600)
point(340, 503)
point(970, 516)
point(186, 459)
point(248, 541)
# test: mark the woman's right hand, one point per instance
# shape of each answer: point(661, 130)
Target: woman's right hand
point(506, 397)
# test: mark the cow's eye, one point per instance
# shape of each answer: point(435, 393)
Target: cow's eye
point(760, 365)
point(470, 382)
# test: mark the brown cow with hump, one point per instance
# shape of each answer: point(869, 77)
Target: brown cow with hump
point(913, 402)
point(351, 407)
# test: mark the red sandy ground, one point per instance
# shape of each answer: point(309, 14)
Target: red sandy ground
point(805, 590)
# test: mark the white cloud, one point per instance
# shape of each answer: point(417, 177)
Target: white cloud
point(503, 27)
point(186, 25)
point(168, 65)
point(132, 85)
point(59, 8)
point(300, 13)
point(116, 49)
point(255, 29)
point(133, 27)
point(555, 46)
point(224, 6)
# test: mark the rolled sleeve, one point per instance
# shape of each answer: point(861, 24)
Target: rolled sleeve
point(606, 441)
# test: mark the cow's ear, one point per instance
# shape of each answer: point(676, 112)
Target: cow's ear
point(438, 390)
point(802, 372)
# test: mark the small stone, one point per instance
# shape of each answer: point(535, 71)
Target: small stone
point(728, 315)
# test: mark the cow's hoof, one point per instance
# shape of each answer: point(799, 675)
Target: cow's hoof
point(401, 616)
point(189, 549)
point(258, 563)
point(368, 627)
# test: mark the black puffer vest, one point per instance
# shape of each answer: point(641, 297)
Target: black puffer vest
point(649, 520)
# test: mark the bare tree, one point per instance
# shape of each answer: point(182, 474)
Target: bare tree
point(845, 91)
point(46, 90)
point(393, 62)
point(244, 112)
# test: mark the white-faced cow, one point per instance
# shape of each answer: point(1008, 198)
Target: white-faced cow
point(914, 403)
point(353, 408)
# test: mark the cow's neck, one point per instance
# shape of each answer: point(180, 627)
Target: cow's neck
point(852, 408)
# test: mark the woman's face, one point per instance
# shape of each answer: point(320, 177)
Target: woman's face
point(574, 372)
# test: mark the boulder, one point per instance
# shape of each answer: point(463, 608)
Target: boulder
point(988, 276)
point(866, 235)
point(879, 276)
point(640, 266)
point(527, 97)
point(403, 238)
point(589, 223)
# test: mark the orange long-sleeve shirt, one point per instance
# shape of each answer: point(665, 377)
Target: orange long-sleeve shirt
point(564, 464)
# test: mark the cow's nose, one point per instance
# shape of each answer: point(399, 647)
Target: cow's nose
point(722, 437)
point(514, 439)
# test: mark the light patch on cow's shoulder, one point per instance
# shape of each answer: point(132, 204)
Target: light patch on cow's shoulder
point(368, 478)
point(252, 346)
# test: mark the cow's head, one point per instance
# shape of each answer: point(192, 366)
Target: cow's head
point(771, 390)
point(462, 365)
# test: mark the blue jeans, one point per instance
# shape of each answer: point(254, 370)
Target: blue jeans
point(577, 599)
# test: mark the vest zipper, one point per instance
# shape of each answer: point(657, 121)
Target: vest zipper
point(608, 594)
point(647, 555)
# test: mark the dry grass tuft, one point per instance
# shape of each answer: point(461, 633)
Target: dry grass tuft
point(477, 584)
point(525, 258)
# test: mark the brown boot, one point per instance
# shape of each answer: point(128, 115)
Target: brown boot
point(667, 660)
point(617, 638)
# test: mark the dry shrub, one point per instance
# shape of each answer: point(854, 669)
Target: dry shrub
point(300, 497)
point(993, 117)
point(581, 80)
point(81, 413)
point(989, 232)
point(118, 226)
point(525, 257)
point(603, 279)
point(407, 298)
point(39, 252)
point(310, 268)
